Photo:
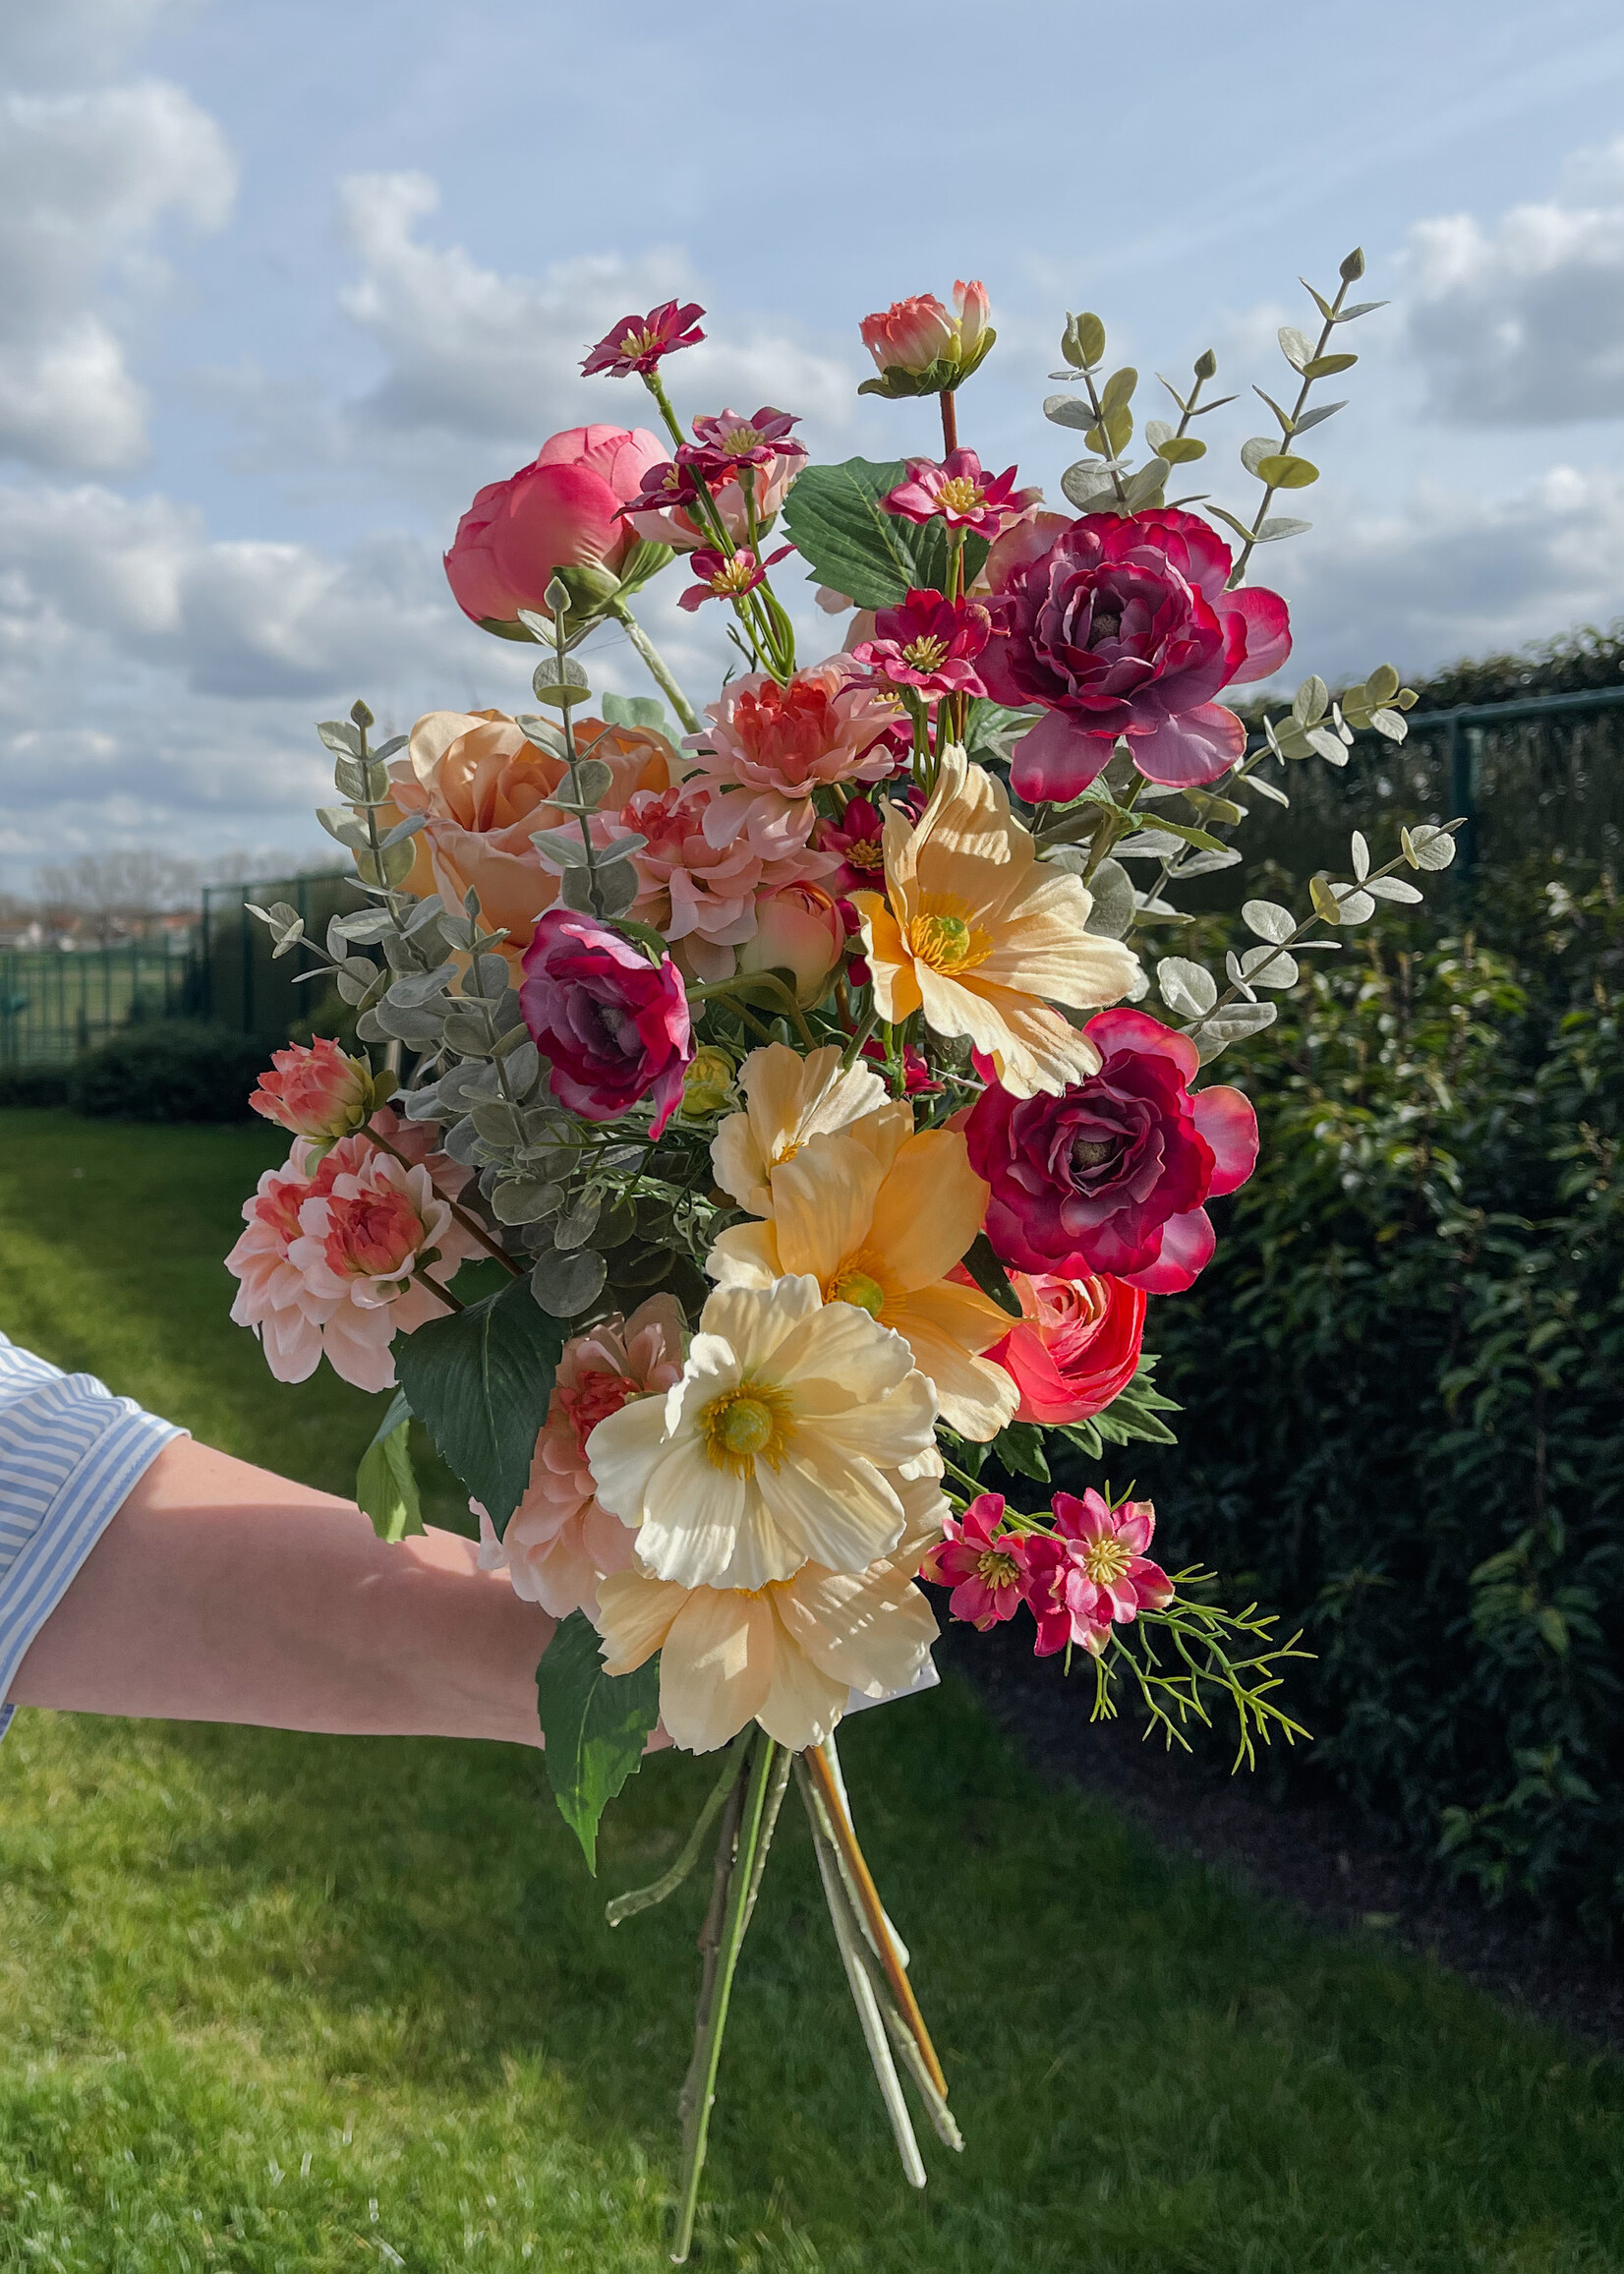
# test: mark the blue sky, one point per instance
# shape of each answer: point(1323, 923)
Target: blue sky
point(280, 286)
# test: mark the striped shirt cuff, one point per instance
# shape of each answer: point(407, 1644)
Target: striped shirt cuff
point(70, 1455)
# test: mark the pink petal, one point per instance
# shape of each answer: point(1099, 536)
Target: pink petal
point(1268, 631)
point(1123, 1029)
point(1195, 746)
point(1226, 1122)
point(1057, 759)
point(1187, 1243)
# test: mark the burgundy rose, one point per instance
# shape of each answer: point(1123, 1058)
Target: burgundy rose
point(1111, 1176)
point(614, 1026)
point(1121, 625)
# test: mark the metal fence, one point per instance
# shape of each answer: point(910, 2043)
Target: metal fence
point(238, 982)
point(55, 1003)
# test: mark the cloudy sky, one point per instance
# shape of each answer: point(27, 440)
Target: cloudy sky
point(280, 286)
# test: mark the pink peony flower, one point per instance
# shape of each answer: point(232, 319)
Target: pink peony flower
point(1124, 626)
point(559, 1542)
point(726, 575)
point(960, 494)
point(777, 744)
point(1112, 1174)
point(637, 344)
point(984, 1566)
point(614, 1026)
point(929, 643)
point(918, 348)
point(316, 1090)
point(560, 512)
point(1108, 1546)
point(1077, 1345)
point(798, 929)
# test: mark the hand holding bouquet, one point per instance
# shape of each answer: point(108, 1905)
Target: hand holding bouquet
point(763, 1136)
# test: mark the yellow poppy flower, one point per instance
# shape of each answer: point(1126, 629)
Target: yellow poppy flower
point(789, 1101)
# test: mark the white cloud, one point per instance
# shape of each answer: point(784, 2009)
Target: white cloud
point(473, 353)
point(1522, 323)
point(87, 181)
point(1454, 576)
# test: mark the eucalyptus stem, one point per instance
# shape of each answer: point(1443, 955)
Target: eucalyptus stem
point(659, 669)
point(737, 1867)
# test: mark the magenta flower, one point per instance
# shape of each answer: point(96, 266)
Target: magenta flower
point(1113, 1174)
point(728, 442)
point(613, 1025)
point(637, 342)
point(917, 1078)
point(957, 493)
point(858, 837)
point(1060, 1599)
point(1122, 627)
point(930, 643)
point(983, 1566)
point(1109, 1544)
point(726, 575)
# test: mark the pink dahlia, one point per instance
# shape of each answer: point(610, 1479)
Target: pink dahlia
point(559, 1543)
point(777, 744)
point(959, 493)
point(929, 643)
point(637, 344)
point(613, 1026)
point(315, 1089)
point(984, 1565)
point(1124, 626)
point(699, 894)
point(1113, 1174)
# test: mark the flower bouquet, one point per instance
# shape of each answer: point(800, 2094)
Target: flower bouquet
point(762, 1136)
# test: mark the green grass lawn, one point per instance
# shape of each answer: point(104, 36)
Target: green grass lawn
point(278, 2003)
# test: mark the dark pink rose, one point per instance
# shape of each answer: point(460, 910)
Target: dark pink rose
point(1121, 625)
point(560, 512)
point(1112, 1175)
point(613, 1025)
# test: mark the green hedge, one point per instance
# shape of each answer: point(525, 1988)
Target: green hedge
point(169, 1069)
point(1403, 1382)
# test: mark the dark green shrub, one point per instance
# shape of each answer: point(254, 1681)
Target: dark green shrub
point(34, 1086)
point(169, 1069)
point(1403, 1382)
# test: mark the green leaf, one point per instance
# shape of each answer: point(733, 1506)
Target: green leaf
point(646, 712)
point(1325, 365)
point(1284, 472)
point(990, 1276)
point(479, 1382)
point(1181, 450)
point(1020, 1446)
point(834, 515)
point(385, 1485)
point(595, 1725)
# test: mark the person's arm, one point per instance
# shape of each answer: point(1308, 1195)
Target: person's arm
point(219, 1593)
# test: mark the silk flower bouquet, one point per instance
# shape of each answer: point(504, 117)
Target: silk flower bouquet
point(781, 1063)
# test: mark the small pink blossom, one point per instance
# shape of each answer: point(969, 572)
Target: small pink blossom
point(726, 575)
point(637, 344)
point(960, 494)
point(666, 508)
point(315, 1089)
point(930, 643)
point(780, 743)
point(559, 1542)
point(1108, 1546)
point(917, 1078)
point(728, 441)
point(858, 838)
point(1060, 1599)
point(982, 1564)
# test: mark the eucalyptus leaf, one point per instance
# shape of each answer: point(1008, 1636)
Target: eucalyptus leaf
point(1294, 346)
point(1112, 888)
point(644, 712)
point(1269, 920)
point(564, 1284)
point(1282, 471)
point(1392, 888)
point(1234, 1024)
point(340, 737)
point(1188, 989)
point(1068, 410)
point(1318, 415)
point(525, 1200)
point(1279, 525)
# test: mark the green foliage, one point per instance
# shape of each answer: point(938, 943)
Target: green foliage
point(34, 1086)
point(834, 515)
point(1400, 1380)
point(385, 1484)
point(479, 1382)
point(169, 1069)
point(596, 1725)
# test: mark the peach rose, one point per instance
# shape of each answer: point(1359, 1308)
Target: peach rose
point(486, 789)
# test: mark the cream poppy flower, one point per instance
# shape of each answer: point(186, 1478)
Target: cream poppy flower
point(788, 1655)
point(789, 1101)
point(975, 931)
point(883, 1229)
point(775, 1447)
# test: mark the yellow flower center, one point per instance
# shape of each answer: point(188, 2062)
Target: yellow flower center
point(998, 1569)
point(927, 654)
point(734, 577)
point(960, 494)
point(1105, 1560)
point(748, 1425)
point(944, 936)
point(852, 1284)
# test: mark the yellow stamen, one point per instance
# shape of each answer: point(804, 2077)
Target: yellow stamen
point(852, 1284)
point(928, 654)
point(1105, 1560)
point(944, 936)
point(998, 1569)
point(748, 1425)
point(960, 494)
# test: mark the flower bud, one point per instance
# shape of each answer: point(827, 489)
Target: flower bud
point(707, 1085)
point(798, 929)
point(316, 1091)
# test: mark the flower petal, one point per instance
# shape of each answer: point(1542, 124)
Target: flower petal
point(928, 1210)
point(691, 1512)
point(804, 1704)
point(1187, 1243)
point(1268, 631)
point(634, 1617)
point(622, 1453)
point(717, 1667)
point(1193, 746)
point(821, 1204)
point(1058, 758)
point(840, 1511)
point(1225, 1120)
point(871, 1631)
point(744, 1256)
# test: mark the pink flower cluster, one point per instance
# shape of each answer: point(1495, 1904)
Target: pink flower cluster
point(1079, 1576)
point(728, 445)
point(559, 1543)
point(343, 1252)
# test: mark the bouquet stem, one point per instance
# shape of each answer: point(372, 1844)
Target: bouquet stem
point(659, 669)
point(747, 1822)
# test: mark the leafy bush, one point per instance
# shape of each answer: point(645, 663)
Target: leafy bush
point(169, 1069)
point(1401, 1378)
point(34, 1086)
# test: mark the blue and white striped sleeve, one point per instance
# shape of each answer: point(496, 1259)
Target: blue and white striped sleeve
point(70, 1453)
